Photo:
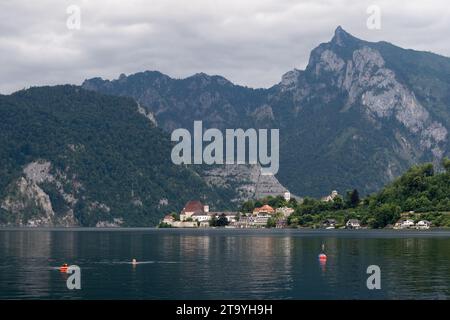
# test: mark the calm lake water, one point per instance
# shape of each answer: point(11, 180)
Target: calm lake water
point(224, 264)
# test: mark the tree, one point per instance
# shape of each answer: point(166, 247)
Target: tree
point(164, 225)
point(213, 221)
point(292, 203)
point(337, 203)
point(222, 221)
point(248, 206)
point(386, 214)
point(258, 203)
point(271, 223)
point(352, 198)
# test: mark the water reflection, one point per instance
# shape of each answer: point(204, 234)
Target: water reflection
point(223, 264)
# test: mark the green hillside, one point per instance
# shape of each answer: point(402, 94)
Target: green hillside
point(105, 161)
point(419, 194)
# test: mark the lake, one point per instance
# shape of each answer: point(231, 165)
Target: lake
point(224, 264)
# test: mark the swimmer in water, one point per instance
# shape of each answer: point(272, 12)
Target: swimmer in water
point(134, 262)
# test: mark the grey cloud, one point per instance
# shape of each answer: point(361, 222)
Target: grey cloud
point(250, 42)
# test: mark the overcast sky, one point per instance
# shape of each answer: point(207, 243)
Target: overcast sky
point(250, 42)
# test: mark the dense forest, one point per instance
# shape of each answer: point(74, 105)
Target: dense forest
point(107, 161)
point(420, 193)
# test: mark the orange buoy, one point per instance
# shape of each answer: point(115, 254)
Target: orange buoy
point(63, 268)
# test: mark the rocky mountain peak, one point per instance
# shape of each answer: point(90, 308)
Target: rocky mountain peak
point(342, 37)
point(353, 99)
point(290, 78)
point(204, 79)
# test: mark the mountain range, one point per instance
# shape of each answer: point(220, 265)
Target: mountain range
point(358, 116)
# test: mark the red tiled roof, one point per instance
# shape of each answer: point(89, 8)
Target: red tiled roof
point(193, 206)
point(264, 208)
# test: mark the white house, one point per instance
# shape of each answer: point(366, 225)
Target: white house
point(206, 215)
point(353, 224)
point(191, 207)
point(407, 224)
point(404, 224)
point(201, 216)
point(329, 223)
point(261, 220)
point(423, 224)
point(252, 221)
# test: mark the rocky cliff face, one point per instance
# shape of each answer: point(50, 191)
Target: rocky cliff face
point(372, 115)
point(360, 114)
point(372, 86)
point(246, 180)
point(31, 205)
point(32, 197)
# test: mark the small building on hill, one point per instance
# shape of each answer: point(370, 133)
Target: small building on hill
point(331, 197)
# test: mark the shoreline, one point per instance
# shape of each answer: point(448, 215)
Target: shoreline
point(251, 231)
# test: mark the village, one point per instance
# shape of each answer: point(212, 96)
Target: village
point(195, 214)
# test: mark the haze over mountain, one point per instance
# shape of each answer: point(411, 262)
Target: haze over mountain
point(358, 116)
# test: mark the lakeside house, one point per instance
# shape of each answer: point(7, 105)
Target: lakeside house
point(168, 219)
point(252, 221)
point(201, 216)
point(257, 219)
point(404, 224)
point(192, 207)
point(423, 224)
point(353, 224)
point(207, 216)
point(329, 224)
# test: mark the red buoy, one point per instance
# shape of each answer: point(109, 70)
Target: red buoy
point(63, 268)
point(322, 257)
